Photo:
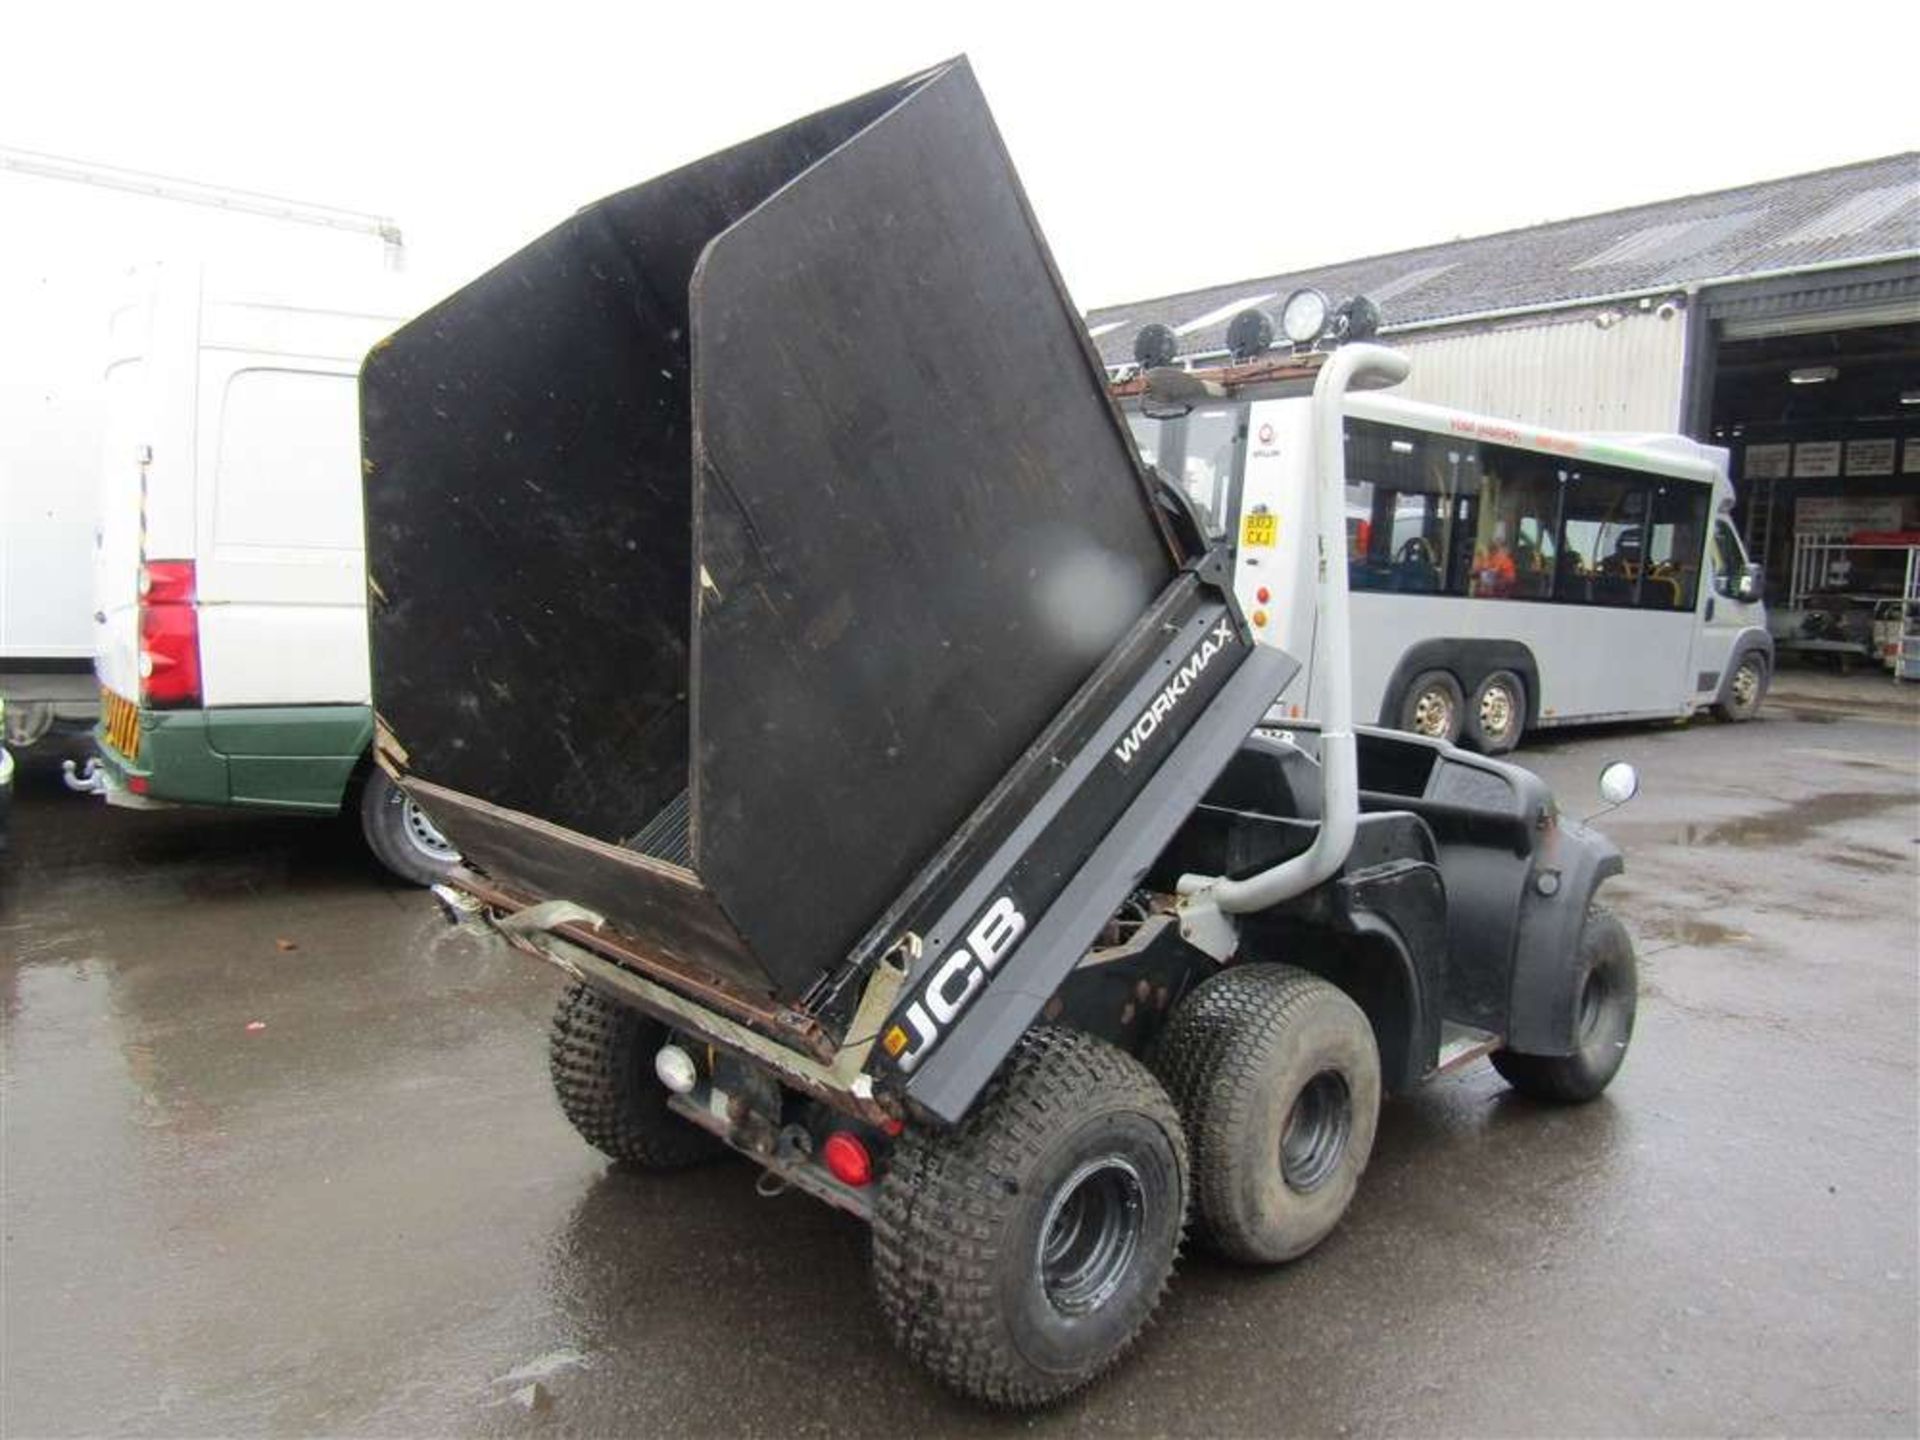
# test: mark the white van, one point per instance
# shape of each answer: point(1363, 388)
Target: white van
point(230, 575)
point(73, 230)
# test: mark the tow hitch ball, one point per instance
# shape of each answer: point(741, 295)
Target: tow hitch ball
point(90, 780)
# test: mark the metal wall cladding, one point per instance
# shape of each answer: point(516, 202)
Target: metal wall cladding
point(1564, 373)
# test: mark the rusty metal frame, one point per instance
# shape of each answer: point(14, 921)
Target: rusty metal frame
point(779, 1022)
point(793, 1046)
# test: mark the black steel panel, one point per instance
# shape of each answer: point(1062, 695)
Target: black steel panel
point(784, 487)
point(913, 511)
point(667, 912)
point(957, 1069)
point(528, 449)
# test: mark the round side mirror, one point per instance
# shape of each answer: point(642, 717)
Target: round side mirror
point(1619, 783)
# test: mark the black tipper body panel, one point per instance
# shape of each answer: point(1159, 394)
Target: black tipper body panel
point(733, 543)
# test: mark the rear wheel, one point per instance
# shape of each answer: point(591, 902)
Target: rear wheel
point(1018, 1255)
point(1744, 689)
point(400, 834)
point(1606, 1001)
point(1433, 706)
point(600, 1054)
point(1277, 1078)
point(1498, 713)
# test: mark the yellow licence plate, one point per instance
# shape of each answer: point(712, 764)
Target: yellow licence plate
point(1260, 529)
point(122, 718)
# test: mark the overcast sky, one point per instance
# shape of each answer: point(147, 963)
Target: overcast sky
point(1164, 146)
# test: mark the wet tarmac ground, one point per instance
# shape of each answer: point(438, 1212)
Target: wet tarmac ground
point(280, 1157)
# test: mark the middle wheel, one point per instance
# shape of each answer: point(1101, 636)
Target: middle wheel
point(1277, 1078)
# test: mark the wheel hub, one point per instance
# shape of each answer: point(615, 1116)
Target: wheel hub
point(423, 834)
point(1496, 711)
point(1315, 1137)
point(1091, 1234)
point(1746, 683)
point(1593, 996)
point(1432, 715)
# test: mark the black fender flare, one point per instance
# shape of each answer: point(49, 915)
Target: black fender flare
point(1544, 999)
point(1470, 662)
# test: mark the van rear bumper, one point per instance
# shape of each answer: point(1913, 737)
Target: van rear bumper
point(280, 757)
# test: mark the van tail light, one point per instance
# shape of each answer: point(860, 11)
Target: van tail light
point(169, 635)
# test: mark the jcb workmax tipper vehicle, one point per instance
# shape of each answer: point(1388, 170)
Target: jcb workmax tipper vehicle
point(768, 603)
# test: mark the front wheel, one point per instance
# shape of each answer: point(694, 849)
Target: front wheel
point(1745, 689)
point(399, 833)
point(1018, 1255)
point(1606, 1000)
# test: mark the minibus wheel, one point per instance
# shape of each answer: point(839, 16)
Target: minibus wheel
point(1497, 714)
point(1745, 689)
point(1434, 706)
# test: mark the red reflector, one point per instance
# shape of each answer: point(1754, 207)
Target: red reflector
point(847, 1160)
point(1262, 595)
point(169, 634)
point(137, 784)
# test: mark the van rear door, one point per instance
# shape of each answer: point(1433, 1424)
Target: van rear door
point(282, 576)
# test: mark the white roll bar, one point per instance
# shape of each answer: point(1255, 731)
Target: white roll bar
point(1351, 367)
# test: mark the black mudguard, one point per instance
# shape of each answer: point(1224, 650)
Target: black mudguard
point(1544, 999)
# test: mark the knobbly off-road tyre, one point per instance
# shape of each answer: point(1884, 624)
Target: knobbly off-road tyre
point(601, 1054)
point(1018, 1255)
point(1607, 999)
point(1277, 1077)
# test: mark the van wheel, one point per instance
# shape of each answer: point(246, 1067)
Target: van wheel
point(1608, 997)
point(1018, 1255)
point(1497, 714)
point(399, 833)
point(1277, 1077)
point(1745, 689)
point(1433, 706)
point(600, 1054)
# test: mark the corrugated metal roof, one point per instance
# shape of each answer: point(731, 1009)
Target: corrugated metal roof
point(1861, 211)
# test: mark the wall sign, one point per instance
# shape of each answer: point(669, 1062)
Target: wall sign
point(1816, 460)
point(1870, 457)
point(1767, 462)
point(1846, 514)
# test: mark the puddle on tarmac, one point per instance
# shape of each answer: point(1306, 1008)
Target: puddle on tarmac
point(1870, 859)
point(1702, 934)
point(1787, 826)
